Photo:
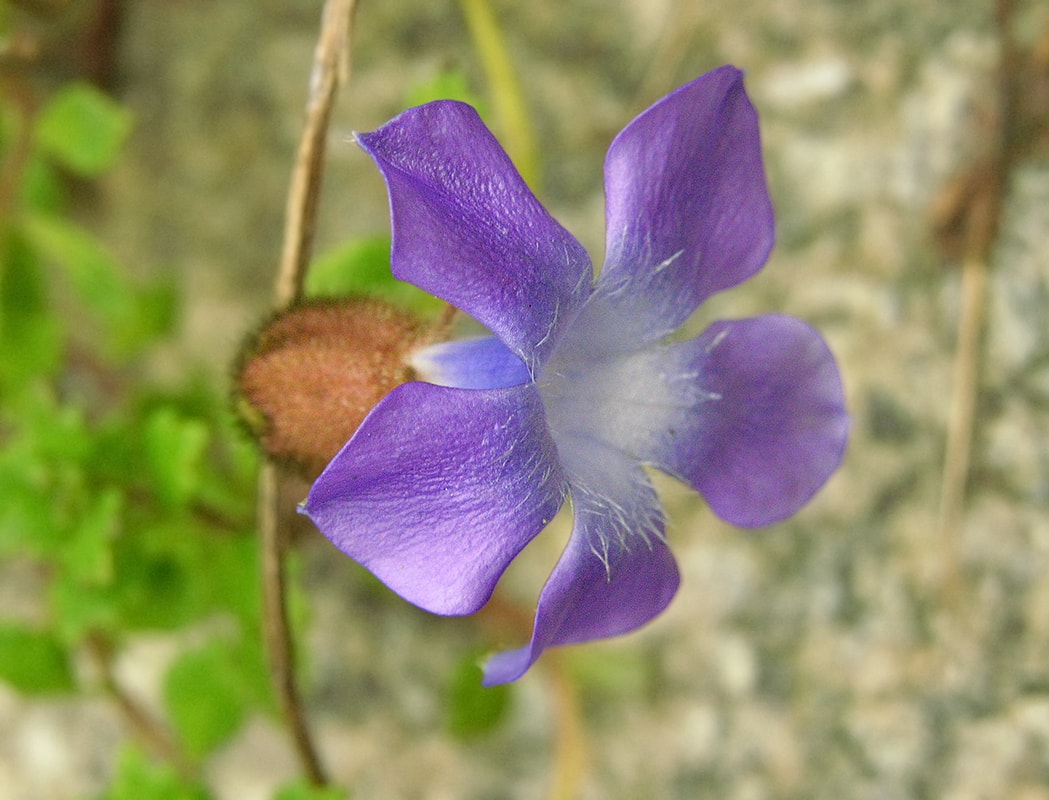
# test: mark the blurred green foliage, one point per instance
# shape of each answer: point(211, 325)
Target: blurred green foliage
point(473, 709)
point(33, 660)
point(301, 790)
point(362, 267)
point(139, 778)
point(82, 129)
point(133, 499)
point(130, 501)
point(450, 84)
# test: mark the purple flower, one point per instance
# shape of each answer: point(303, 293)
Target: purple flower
point(580, 387)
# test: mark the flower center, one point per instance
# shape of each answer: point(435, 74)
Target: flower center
point(600, 385)
point(612, 406)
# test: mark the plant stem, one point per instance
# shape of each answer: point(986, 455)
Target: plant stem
point(568, 768)
point(569, 765)
point(330, 70)
point(981, 230)
point(151, 732)
point(276, 628)
point(507, 98)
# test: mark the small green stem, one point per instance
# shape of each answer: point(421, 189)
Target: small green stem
point(512, 119)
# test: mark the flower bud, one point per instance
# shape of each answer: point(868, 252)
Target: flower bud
point(307, 380)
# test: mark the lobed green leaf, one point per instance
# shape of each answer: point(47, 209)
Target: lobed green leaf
point(30, 336)
point(303, 790)
point(362, 266)
point(174, 447)
point(139, 778)
point(33, 661)
point(472, 709)
point(83, 129)
point(205, 695)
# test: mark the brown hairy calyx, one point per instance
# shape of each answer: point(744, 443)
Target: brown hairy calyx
point(306, 381)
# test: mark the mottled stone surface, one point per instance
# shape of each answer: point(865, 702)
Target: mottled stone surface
point(826, 657)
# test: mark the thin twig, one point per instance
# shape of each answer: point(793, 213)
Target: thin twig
point(17, 92)
point(506, 619)
point(962, 414)
point(440, 329)
point(569, 765)
point(981, 229)
point(681, 20)
point(330, 70)
point(147, 729)
point(277, 630)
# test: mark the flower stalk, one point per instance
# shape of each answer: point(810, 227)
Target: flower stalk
point(330, 71)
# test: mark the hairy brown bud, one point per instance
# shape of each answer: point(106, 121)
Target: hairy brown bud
point(306, 381)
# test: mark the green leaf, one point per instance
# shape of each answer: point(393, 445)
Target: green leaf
point(30, 336)
point(232, 574)
point(43, 189)
point(33, 661)
point(303, 790)
point(474, 709)
point(174, 448)
point(228, 486)
point(87, 554)
point(27, 519)
point(81, 608)
point(83, 129)
point(157, 311)
point(42, 481)
point(613, 672)
point(449, 84)
point(139, 778)
point(362, 266)
point(92, 272)
point(172, 570)
point(205, 695)
point(154, 581)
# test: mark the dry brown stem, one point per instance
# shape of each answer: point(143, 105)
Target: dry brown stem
point(330, 71)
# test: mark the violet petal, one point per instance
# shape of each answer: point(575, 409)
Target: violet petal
point(770, 425)
point(615, 574)
point(688, 211)
point(481, 363)
point(439, 489)
point(467, 229)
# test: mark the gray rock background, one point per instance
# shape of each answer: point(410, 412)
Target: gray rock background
point(821, 658)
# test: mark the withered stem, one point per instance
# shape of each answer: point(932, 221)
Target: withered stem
point(982, 226)
point(330, 70)
point(276, 628)
point(147, 729)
